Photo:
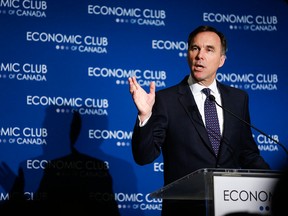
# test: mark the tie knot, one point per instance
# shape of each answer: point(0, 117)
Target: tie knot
point(206, 91)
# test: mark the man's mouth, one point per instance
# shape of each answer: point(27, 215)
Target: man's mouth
point(198, 66)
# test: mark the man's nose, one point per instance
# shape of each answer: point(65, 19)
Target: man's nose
point(200, 53)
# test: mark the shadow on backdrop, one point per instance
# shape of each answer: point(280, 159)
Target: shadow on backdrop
point(7, 176)
point(70, 181)
point(103, 143)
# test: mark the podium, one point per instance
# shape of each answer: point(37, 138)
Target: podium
point(225, 191)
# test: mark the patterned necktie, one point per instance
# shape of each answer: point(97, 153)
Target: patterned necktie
point(211, 121)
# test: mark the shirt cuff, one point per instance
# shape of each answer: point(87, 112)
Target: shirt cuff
point(141, 124)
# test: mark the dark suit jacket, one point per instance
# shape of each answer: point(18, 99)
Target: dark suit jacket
point(176, 129)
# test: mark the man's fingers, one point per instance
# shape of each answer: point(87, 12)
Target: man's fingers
point(136, 85)
point(133, 84)
point(152, 87)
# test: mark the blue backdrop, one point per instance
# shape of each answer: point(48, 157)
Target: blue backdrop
point(60, 56)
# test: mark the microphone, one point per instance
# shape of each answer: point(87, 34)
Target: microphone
point(212, 98)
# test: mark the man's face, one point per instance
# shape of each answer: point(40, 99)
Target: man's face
point(205, 57)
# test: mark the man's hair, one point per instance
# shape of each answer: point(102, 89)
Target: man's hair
point(209, 29)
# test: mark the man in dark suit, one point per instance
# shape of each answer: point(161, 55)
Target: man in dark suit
point(172, 121)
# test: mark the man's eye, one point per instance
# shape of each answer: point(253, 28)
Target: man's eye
point(210, 49)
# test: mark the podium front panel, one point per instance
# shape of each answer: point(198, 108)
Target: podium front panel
point(243, 194)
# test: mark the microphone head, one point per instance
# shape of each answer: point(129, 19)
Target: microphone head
point(211, 98)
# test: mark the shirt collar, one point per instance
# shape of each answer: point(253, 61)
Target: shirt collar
point(196, 88)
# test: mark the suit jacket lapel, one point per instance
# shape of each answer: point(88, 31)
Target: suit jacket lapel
point(188, 103)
